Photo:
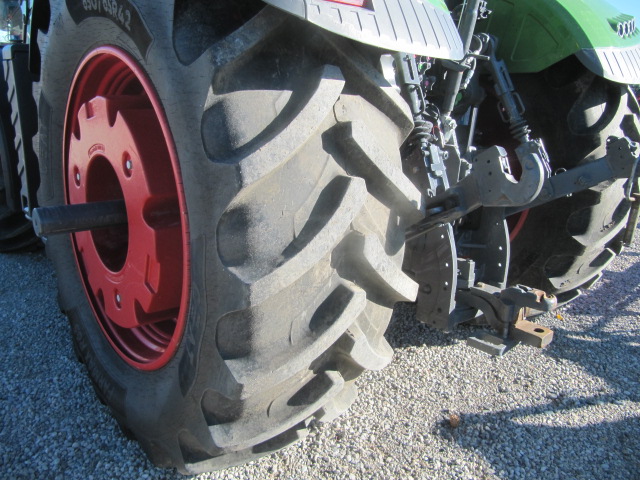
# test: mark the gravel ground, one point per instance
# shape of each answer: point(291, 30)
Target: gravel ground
point(571, 411)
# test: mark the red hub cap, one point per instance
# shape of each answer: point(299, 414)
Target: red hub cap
point(118, 146)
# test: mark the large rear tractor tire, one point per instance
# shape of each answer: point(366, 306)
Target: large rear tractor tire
point(259, 162)
point(562, 247)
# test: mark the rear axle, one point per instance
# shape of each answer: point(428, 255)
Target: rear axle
point(77, 218)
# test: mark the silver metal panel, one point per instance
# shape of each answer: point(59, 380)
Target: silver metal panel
point(412, 26)
point(620, 65)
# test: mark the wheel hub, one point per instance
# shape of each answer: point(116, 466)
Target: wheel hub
point(118, 147)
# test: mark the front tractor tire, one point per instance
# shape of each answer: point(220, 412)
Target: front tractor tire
point(258, 159)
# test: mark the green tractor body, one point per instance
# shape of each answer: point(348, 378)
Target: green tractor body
point(536, 34)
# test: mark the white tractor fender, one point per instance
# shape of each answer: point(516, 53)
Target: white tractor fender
point(420, 27)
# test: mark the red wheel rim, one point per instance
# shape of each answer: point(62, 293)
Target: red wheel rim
point(118, 146)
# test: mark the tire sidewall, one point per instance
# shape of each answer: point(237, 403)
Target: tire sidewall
point(149, 403)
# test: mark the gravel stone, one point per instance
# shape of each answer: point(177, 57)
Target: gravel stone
point(571, 410)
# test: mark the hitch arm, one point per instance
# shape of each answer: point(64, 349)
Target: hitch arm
point(503, 308)
point(622, 161)
point(490, 184)
point(505, 311)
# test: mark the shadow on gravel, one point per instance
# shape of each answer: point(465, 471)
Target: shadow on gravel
point(406, 331)
point(607, 343)
point(517, 446)
point(568, 434)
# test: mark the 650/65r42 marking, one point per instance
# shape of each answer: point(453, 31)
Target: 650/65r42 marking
point(121, 12)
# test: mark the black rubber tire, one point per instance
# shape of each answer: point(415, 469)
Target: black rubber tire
point(288, 142)
point(16, 232)
point(564, 245)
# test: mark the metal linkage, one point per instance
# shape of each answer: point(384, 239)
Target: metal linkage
point(422, 136)
point(622, 161)
point(503, 308)
point(511, 107)
point(524, 331)
point(456, 70)
point(505, 311)
point(490, 184)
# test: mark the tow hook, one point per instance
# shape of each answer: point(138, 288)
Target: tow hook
point(506, 312)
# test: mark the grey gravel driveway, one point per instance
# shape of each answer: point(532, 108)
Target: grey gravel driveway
point(571, 411)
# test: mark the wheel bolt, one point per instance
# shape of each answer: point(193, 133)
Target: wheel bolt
point(118, 300)
point(128, 167)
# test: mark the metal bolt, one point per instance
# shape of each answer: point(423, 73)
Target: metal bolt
point(78, 177)
point(118, 299)
point(128, 165)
